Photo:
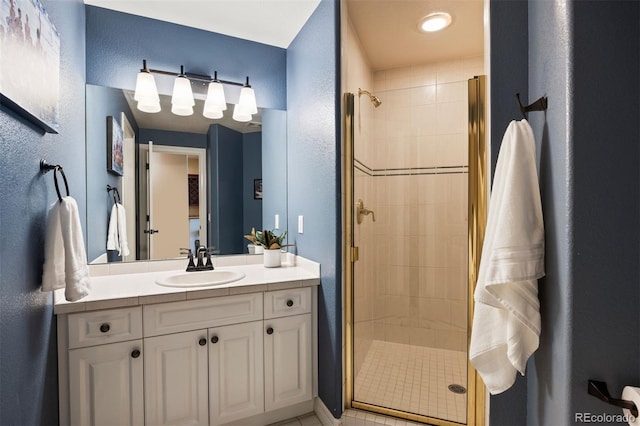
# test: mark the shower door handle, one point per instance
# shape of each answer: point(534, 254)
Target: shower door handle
point(361, 210)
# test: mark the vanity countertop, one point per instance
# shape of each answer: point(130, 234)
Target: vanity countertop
point(117, 290)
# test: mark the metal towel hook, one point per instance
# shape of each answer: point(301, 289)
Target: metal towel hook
point(600, 391)
point(539, 105)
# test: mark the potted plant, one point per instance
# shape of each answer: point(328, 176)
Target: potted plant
point(271, 243)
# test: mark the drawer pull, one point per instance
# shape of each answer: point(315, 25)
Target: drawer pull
point(269, 330)
point(135, 353)
point(105, 327)
point(289, 303)
point(202, 341)
point(214, 339)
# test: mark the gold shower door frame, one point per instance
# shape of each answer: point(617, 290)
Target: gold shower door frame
point(477, 210)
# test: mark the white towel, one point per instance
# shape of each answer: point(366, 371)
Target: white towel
point(117, 234)
point(506, 321)
point(65, 258)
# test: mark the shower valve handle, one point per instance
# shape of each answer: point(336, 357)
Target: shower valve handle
point(361, 210)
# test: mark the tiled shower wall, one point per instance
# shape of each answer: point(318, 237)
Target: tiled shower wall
point(411, 280)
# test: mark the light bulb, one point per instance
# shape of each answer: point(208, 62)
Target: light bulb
point(182, 94)
point(248, 100)
point(146, 90)
point(241, 114)
point(182, 109)
point(212, 113)
point(148, 107)
point(215, 97)
point(435, 22)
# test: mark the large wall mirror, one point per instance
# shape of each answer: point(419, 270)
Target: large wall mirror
point(180, 178)
point(183, 178)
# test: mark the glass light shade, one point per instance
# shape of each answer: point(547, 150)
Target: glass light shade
point(148, 106)
point(212, 113)
point(182, 94)
point(241, 114)
point(146, 90)
point(248, 100)
point(435, 22)
point(182, 109)
point(215, 97)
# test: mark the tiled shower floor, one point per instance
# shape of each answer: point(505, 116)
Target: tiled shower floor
point(414, 379)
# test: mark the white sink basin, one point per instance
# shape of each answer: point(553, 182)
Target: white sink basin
point(200, 279)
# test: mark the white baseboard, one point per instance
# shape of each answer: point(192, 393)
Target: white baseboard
point(324, 415)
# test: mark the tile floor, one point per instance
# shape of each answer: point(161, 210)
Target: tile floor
point(414, 379)
point(307, 420)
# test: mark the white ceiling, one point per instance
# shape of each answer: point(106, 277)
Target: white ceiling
point(388, 31)
point(273, 22)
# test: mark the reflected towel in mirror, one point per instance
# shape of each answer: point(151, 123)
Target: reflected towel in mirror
point(117, 234)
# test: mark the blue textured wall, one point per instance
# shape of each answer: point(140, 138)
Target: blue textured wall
point(251, 169)
point(118, 42)
point(28, 361)
point(225, 166)
point(509, 75)
point(313, 139)
point(588, 145)
point(101, 102)
point(274, 168)
point(590, 187)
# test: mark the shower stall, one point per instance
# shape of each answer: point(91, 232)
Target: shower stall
point(409, 155)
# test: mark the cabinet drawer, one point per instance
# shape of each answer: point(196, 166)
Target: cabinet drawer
point(174, 317)
point(283, 303)
point(99, 327)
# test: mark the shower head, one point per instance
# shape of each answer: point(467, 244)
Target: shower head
point(373, 98)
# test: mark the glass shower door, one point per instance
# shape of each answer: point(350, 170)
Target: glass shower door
point(410, 281)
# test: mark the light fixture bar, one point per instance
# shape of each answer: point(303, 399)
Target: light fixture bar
point(182, 101)
point(192, 76)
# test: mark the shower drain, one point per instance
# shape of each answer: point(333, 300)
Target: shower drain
point(457, 389)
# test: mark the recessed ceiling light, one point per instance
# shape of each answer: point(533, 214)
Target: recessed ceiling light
point(434, 22)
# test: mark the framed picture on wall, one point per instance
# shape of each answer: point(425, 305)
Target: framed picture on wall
point(30, 71)
point(257, 189)
point(115, 163)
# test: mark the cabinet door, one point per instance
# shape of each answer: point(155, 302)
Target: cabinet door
point(175, 379)
point(236, 372)
point(105, 384)
point(287, 360)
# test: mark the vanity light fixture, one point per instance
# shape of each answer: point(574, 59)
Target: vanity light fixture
point(246, 105)
point(182, 101)
point(215, 102)
point(146, 92)
point(435, 21)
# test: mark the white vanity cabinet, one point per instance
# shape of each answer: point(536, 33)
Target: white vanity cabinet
point(237, 359)
point(236, 372)
point(106, 379)
point(175, 379)
point(287, 348)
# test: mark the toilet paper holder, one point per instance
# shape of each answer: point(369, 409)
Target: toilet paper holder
point(600, 391)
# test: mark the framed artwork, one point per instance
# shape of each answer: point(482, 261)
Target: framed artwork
point(30, 71)
point(115, 143)
point(257, 189)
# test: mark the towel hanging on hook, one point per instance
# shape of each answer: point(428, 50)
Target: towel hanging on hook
point(539, 105)
point(45, 167)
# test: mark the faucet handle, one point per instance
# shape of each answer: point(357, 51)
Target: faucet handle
point(191, 266)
